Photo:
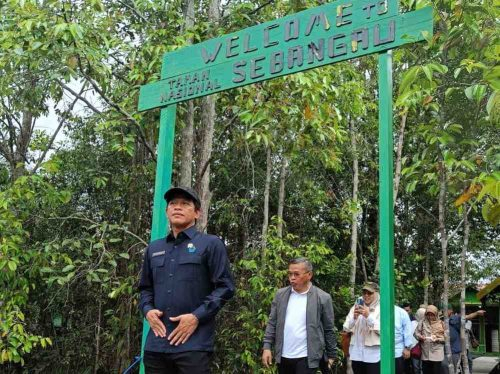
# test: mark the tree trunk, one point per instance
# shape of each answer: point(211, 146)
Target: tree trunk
point(360, 245)
point(426, 275)
point(463, 334)
point(444, 252)
point(267, 188)
point(16, 151)
point(98, 338)
point(187, 132)
point(207, 134)
point(205, 153)
point(362, 262)
point(354, 217)
point(399, 152)
point(281, 196)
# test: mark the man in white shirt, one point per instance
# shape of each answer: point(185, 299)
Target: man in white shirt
point(403, 338)
point(300, 347)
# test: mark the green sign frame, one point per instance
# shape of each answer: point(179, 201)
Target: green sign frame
point(315, 37)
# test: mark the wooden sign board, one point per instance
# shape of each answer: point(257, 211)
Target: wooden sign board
point(315, 37)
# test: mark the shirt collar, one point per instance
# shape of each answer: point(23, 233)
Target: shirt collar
point(190, 233)
point(302, 293)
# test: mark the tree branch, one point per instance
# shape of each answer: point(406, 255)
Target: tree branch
point(111, 103)
point(79, 96)
point(135, 11)
point(205, 166)
point(85, 219)
point(459, 225)
point(59, 127)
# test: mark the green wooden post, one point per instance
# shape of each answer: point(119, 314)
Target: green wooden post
point(386, 214)
point(334, 32)
point(162, 183)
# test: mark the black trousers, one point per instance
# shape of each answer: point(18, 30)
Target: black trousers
point(400, 365)
point(432, 367)
point(360, 367)
point(194, 362)
point(294, 366)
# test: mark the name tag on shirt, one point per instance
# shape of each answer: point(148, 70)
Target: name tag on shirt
point(158, 253)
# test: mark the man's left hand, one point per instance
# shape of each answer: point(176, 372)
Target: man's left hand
point(331, 362)
point(187, 324)
point(406, 353)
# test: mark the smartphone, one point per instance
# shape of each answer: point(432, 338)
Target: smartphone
point(360, 301)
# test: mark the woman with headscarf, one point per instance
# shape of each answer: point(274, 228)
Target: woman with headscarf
point(363, 322)
point(416, 352)
point(430, 333)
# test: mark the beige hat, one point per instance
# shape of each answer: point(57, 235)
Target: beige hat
point(371, 286)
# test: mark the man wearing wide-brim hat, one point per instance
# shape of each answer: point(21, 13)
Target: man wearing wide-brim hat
point(185, 281)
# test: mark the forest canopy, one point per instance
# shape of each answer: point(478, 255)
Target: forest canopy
point(284, 168)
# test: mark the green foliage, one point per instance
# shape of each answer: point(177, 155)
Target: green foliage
point(260, 273)
point(22, 201)
point(72, 233)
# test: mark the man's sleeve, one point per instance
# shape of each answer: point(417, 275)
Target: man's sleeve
point(327, 319)
point(455, 322)
point(270, 334)
point(221, 279)
point(146, 302)
point(407, 330)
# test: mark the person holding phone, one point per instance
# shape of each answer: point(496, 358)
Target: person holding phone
point(363, 322)
point(430, 333)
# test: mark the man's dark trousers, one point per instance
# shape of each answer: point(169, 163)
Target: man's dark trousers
point(294, 366)
point(194, 362)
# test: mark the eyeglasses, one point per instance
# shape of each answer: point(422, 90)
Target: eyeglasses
point(366, 292)
point(296, 274)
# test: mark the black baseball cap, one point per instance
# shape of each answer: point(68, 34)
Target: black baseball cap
point(185, 191)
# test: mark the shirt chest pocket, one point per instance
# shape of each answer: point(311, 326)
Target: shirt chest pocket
point(158, 265)
point(189, 267)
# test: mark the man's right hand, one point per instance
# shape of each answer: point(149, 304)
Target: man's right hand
point(153, 317)
point(267, 358)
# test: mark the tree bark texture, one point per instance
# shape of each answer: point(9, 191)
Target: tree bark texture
point(15, 143)
point(463, 333)
point(427, 274)
point(399, 152)
point(207, 135)
point(205, 153)
point(281, 195)
point(354, 217)
point(187, 132)
point(267, 187)
point(98, 338)
point(444, 253)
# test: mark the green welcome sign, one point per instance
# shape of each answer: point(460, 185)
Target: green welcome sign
point(315, 37)
point(323, 35)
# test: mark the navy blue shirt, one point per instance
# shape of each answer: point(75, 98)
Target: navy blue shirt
point(187, 274)
point(456, 345)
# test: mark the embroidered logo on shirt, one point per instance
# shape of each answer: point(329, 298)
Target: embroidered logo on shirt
point(191, 248)
point(158, 253)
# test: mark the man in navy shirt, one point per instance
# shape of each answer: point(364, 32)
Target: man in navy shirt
point(455, 342)
point(185, 281)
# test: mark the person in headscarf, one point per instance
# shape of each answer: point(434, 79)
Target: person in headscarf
point(430, 333)
point(416, 353)
point(363, 322)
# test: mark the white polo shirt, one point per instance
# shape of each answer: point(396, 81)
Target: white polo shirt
point(295, 332)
